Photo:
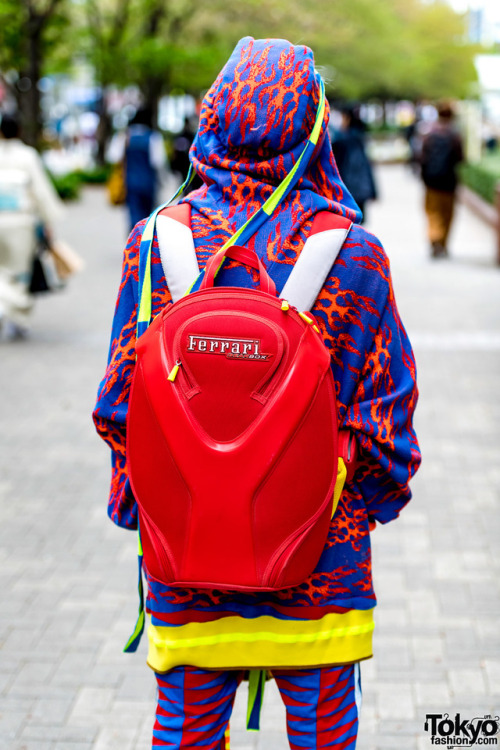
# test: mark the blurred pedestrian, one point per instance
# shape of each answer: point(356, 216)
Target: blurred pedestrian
point(352, 161)
point(314, 635)
point(489, 137)
point(142, 150)
point(413, 135)
point(441, 153)
point(180, 153)
point(29, 206)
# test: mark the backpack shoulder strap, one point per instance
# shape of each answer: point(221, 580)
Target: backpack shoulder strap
point(315, 262)
point(177, 253)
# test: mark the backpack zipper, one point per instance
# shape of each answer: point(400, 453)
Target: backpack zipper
point(173, 372)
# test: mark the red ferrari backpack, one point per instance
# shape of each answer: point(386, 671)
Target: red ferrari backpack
point(233, 449)
point(232, 439)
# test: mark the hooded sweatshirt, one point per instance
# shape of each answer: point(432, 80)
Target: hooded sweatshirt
point(254, 122)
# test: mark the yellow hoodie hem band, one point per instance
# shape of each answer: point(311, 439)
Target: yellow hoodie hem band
point(240, 643)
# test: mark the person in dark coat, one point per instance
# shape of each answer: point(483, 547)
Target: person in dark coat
point(353, 163)
point(441, 153)
point(180, 156)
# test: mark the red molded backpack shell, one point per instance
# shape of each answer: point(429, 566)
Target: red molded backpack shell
point(233, 463)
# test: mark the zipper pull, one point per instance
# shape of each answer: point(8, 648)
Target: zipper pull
point(306, 317)
point(285, 305)
point(309, 320)
point(174, 371)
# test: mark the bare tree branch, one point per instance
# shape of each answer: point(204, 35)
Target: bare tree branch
point(37, 18)
point(178, 21)
point(120, 23)
point(49, 10)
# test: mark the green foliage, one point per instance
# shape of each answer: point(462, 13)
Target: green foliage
point(483, 177)
point(438, 62)
point(96, 176)
point(23, 20)
point(12, 21)
point(391, 49)
point(30, 41)
point(67, 185)
point(387, 49)
point(103, 26)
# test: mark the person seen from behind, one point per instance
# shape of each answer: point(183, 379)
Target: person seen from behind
point(180, 162)
point(352, 161)
point(180, 149)
point(142, 150)
point(255, 120)
point(29, 208)
point(441, 153)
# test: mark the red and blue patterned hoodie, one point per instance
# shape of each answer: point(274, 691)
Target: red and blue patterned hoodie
point(254, 122)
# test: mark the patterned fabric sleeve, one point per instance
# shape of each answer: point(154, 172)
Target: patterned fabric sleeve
point(381, 414)
point(110, 412)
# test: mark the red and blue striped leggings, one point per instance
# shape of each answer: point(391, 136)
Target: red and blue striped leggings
point(322, 707)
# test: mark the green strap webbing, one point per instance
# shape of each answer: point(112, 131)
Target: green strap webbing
point(144, 312)
point(256, 685)
point(135, 638)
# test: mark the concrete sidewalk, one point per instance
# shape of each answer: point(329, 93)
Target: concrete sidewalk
point(68, 575)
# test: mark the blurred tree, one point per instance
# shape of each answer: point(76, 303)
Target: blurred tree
point(439, 61)
point(390, 49)
point(146, 43)
point(30, 31)
point(160, 45)
point(104, 39)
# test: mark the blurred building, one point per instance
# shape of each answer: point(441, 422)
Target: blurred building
point(483, 26)
point(488, 71)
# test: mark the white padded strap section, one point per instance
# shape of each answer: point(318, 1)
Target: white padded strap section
point(313, 267)
point(178, 256)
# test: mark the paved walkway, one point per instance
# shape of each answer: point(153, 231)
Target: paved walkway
point(68, 575)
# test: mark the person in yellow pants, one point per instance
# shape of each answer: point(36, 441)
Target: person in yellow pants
point(441, 153)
